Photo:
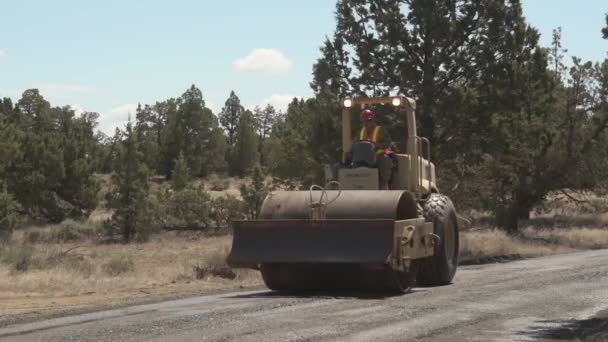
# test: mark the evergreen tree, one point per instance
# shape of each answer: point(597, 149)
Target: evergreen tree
point(264, 119)
point(38, 176)
point(10, 139)
point(511, 119)
point(181, 173)
point(112, 151)
point(557, 53)
point(129, 199)
point(419, 48)
point(35, 112)
point(79, 187)
point(216, 152)
point(188, 130)
point(605, 29)
point(147, 135)
point(290, 154)
point(230, 116)
point(530, 143)
point(162, 111)
point(304, 139)
point(10, 153)
point(49, 157)
point(8, 214)
point(245, 154)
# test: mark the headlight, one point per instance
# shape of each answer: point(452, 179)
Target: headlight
point(396, 101)
point(348, 103)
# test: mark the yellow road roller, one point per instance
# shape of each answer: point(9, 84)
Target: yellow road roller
point(353, 233)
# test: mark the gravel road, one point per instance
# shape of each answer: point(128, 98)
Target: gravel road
point(553, 298)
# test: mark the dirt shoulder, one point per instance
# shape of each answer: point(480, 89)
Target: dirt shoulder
point(23, 309)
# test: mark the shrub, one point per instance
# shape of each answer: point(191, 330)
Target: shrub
point(254, 194)
point(219, 184)
point(18, 257)
point(67, 231)
point(202, 272)
point(187, 209)
point(33, 236)
point(226, 209)
point(55, 209)
point(214, 265)
point(118, 265)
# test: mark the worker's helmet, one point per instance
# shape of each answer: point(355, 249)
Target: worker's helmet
point(367, 115)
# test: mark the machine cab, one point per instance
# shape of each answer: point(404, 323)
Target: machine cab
point(412, 170)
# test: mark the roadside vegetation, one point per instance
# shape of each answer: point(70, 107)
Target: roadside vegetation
point(77, 264)
point(565, 222)
point(46, 278)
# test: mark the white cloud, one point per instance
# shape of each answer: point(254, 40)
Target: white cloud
point(211, 105)
point(77, 109)
point(63, 90)
point(263, 60)
point(116, 117)
point(2, 53)
point(280, 102)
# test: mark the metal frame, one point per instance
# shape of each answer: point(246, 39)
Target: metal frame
point(416, 146)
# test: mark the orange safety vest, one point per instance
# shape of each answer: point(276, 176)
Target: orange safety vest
point(373, 137)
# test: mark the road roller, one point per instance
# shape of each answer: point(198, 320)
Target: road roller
point(349, 234)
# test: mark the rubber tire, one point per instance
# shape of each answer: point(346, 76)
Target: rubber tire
point(440, 269)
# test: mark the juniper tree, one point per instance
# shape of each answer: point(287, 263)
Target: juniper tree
point(181, 173)
point(129, 198)
point(245, 154)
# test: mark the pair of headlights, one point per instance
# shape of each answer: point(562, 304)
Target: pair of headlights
point(349, 102)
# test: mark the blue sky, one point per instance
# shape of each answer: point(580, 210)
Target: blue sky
point(107, 56)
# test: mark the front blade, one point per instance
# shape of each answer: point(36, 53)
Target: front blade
point(306, 241)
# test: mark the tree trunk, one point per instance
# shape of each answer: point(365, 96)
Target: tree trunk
point(525, 201)
point(524, 213)
point(507, 218)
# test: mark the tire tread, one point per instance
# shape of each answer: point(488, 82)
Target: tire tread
point(434, 271)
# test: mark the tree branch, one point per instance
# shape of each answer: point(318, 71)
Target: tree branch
point(572, 198)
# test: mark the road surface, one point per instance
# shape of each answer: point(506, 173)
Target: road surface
point(552, 298)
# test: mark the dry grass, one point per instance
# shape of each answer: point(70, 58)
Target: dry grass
point(162, 261)
point(86, 273)
point(576, 238)
point(99, 215)
point(494, 242)
point(218, 186)
point(562, 230)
